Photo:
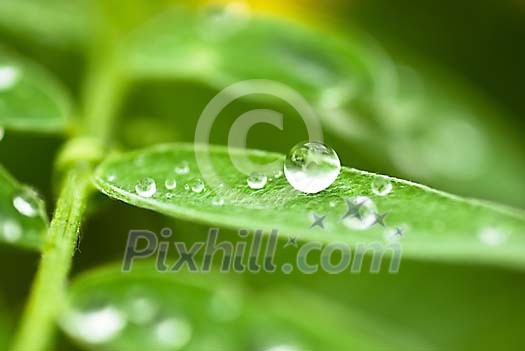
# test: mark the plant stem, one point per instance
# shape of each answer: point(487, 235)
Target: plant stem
point(48, 294)
point(102, 93)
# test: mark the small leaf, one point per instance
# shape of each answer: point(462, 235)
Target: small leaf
point(58, 21)
point(209, 45)
point(428, 224)
point(23, 219)
point(30, 98)
point(147, 310)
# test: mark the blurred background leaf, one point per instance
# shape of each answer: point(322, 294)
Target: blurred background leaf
point(30, 98)
point(23, 218)
point(145, 309)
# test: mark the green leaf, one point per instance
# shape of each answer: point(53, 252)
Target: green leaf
point(23, 219)
point(413, 126)
point(210, 44)
point(30, 98)
point(55, 21)
point(437, 226)
point(144, 309)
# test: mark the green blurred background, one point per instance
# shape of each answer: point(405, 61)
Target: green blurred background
point(459, 74)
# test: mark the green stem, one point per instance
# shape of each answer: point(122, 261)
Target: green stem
point(47, 294)
point(103, 90)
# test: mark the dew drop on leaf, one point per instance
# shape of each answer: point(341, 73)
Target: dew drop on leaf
point(381, 187)
point(8, 77)
point(95, 326)
point(197, 186)
point(366, 209)
point(170, 184)
point(256, 180)
point(146, 187)
point(173, 333)
point(141, 309)
point(11, 231)
point(182, 168)
point(311, 167)
point(284, 348)
point(492, 236)
point(217, 201)
point(27, 203)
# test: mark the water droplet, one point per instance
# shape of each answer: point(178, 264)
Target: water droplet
point(197, 186)
point(284, 348)
point(146, 187)
point(217, 201)
point(182, 168)
point(492, 236)
point(173, 333)
point(26, 203)
point(395, 233)
point(332, 204)
point(8, 76)
point(11, 231)
point(168, 196)
point(381, 187)
point(112, 178)
point(170, 184)
point(256, 180)
point(2, 133)
point(96, 326)
point(277, 174)
point(311, 167)
point(187, 187)
point(367, 213)
point(142, 310)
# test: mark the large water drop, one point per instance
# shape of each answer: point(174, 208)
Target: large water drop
point(311, 167)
